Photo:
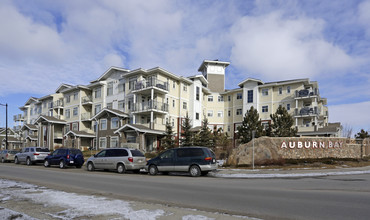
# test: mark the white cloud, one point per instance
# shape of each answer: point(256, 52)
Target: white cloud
point(356, 115)
point(278, 47)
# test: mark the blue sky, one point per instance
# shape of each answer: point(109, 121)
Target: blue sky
point(46, 43)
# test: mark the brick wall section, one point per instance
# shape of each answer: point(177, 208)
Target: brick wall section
point(298, 148)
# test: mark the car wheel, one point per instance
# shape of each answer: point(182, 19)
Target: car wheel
point(28, 161)
point(194, 171)
point(46, 163)
point(90, 166)
point(16, 161)
point(2, 160)
point(62, 164)
point(153, 170)
point(121, 168)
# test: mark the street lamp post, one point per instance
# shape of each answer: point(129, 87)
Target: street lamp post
point(253, 134)
point(6, 125)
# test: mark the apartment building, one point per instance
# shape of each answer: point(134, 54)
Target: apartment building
point(131, 107)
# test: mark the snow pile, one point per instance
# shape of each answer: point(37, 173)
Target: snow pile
point(9, 214)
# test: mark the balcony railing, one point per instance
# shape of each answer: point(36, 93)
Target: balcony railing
point(150, 106)
point(58, 104)
point(306, 93)
point(86, 99)
point(307, 111)
point(86, 116)
point(151, 83)
point(18, 117)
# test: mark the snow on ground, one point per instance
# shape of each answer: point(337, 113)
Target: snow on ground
point(9, 214)
point(287, 175)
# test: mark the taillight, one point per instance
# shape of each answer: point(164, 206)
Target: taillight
point(208, 158)
point(131, 159)
point(68, 156)
point(36, 154)
point(6, 155)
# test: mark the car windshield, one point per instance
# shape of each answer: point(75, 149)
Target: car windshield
point(13, 152)
point(137, 153)
point(76, 152)
point(39, 149)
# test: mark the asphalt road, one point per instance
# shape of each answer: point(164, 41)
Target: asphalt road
point(333, 197)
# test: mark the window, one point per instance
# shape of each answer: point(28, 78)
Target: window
point(121, 86)
point(102, 142)
point(288, 89)
point(220, 114)
point(75, 127)
point(110, 105)
point(110, 88)
point(210, 98)
point(197, 116)
point(75, 111)
point(239, 95)
point(113, 142)
point(68, 99)
point(228, 128)
point(173, 122)
point(114, 123)
point(103, 124)
point(265, 108)
point(280, 90)
point(121, 105)
point(184, 105)
point(197, 94)
point(229, 113)
point(288, 107)
point(210, 113)
point(185, 88)
point(229, 98)
point(75, 96)
point(173, 103)
point(220, 98)
point(31, 112)
point(250, 96)
point(97, 93)
point(68, 113)
point(265, 92)
point(239, 111)
point(97, 108)
point(174, 84)
point(132, 83)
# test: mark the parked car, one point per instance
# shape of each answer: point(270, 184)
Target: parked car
point(31, 155)
point(120, 159)
point(65, 157)
point(195, 160)
point(8, 155)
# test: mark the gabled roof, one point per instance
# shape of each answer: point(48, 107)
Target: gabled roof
point(50, 119)
point(107, 73)
point(213, 62)
point(111, 111)
point(30, 100)
point(139, 128)
point(12, 140)
point(2, 130)
point(62, 87)
point(80, 134)
point(201, 77)
point(32, 137)
point(259, 82)
point(78, 87)
point(29, 127)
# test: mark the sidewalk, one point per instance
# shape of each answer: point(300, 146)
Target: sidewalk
point(288, 173)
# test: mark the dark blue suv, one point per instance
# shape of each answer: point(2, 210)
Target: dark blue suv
point(65, 157)
point(194, 160)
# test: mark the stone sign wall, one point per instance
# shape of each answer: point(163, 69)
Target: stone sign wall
point(267, 148)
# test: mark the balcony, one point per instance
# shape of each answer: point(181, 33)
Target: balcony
point(85, 116)
point(145, 107)
point(86, 100)
point(307, 112)
point(144, 86)
point(18, 117)
point(57, 104)
point(306, 93)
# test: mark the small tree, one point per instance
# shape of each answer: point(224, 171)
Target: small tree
point(168, 141)
point(362, 134)
point(282, 124)
point(187, 139)
point(347, 131)
point(205, 135)
point(251, 122)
